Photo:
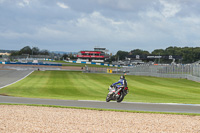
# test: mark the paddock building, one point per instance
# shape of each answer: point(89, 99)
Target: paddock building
point(98, 55)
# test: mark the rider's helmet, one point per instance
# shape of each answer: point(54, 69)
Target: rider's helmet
point(122, 77)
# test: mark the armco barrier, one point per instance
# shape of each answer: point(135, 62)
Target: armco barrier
point(190, 72)
point(2, 62)
point(30, 63)
point(82, 62)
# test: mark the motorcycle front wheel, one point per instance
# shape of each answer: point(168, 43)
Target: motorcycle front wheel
point(108, 98)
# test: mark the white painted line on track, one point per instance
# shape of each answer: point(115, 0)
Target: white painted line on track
point(17, 80)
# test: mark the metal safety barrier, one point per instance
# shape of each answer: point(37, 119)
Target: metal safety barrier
point(186, 71)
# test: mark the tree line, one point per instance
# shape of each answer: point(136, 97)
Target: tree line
point(30, 51)
point(27, 50)
point(188, 54)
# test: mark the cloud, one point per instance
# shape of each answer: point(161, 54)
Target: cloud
point(24, 3)
point(169, 9)
point(114, 24)
point(62, 5)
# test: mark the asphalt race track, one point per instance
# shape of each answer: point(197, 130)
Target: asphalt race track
point(178, 108)
point(12, 75)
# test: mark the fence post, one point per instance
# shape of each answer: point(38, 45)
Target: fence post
point(198, 70)
point(182, 68)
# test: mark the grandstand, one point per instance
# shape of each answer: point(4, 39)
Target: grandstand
point(98, 55)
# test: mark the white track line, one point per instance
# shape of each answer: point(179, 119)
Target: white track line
point(17, 80)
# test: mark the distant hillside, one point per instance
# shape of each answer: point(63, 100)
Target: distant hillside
point(4, 51)
point(56, 52)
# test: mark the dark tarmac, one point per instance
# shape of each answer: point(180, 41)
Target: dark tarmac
point(152, 107)
point(10, 76)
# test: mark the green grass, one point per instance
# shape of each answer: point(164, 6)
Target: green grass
point(87, 86)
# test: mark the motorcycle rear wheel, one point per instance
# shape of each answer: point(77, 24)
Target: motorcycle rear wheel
point(121, 97)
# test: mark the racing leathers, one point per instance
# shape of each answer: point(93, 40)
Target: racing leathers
point(123, 83)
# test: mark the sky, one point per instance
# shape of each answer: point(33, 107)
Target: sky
point(75, 25)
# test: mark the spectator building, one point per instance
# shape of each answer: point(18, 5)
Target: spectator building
point(98, 55)
point(5, 53)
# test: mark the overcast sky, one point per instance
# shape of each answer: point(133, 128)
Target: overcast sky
point(74, 25)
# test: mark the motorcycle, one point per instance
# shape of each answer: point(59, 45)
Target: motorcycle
point(116, 94)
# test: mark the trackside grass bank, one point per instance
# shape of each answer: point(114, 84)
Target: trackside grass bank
point(86, 86)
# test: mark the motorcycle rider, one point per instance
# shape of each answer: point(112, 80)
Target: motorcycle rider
point(121, 81)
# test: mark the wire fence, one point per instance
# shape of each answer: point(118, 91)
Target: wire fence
point(103, 70)
point(188, 71)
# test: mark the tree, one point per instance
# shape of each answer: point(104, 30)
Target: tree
point(122, 54)
point(112, 58)
point(71, 56)
point(158, 52)
point(14, 53)
point(35, 50)
point(173, 51)
point(196, 53)
point(188, 54)
point(44, 52)
point(25, 50)
point(139, 52)
point(64, 56)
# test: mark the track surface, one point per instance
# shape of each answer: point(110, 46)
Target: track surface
point(178, 108)
point(9, 76)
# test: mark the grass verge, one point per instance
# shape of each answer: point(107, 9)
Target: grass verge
point(73, 85)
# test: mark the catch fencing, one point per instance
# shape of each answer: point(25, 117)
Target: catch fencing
point(187, 71)
point(102, 69)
